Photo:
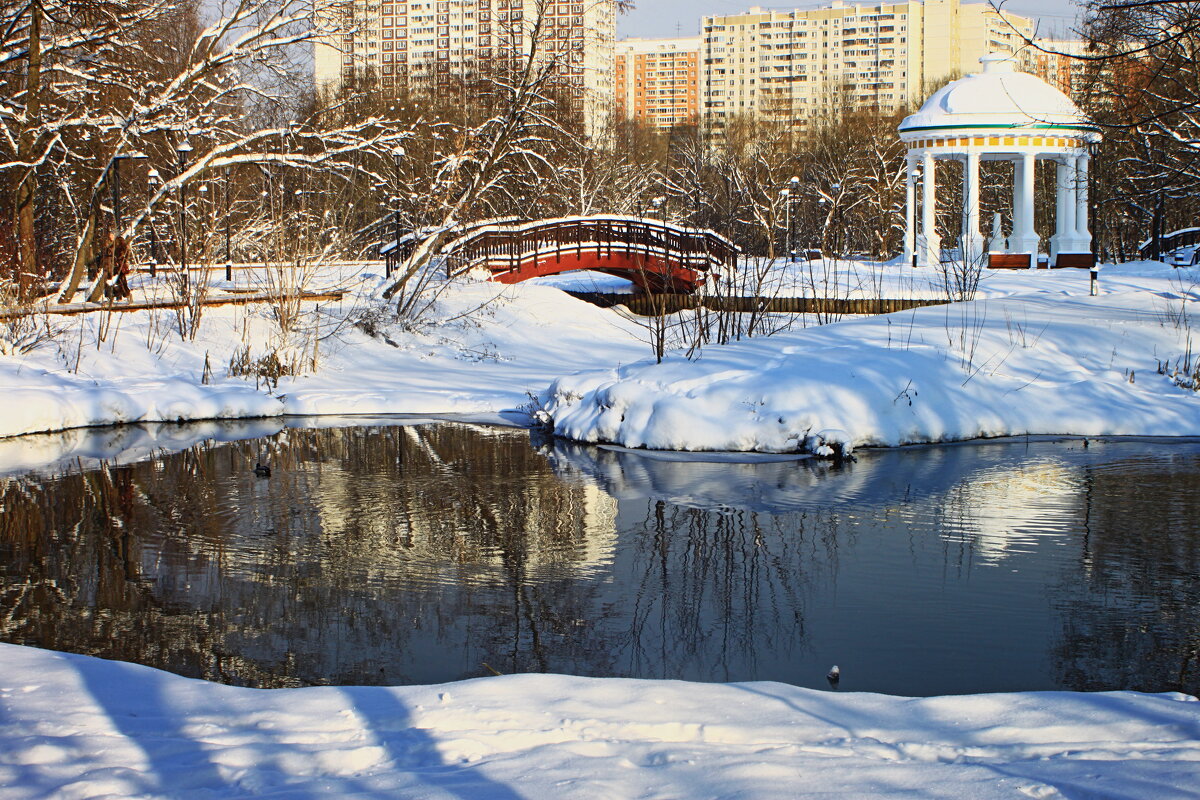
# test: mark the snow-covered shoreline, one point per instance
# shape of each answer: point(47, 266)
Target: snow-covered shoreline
point(1066, 366)
point(1033, 355)
point(73, 726)
point(138, 369)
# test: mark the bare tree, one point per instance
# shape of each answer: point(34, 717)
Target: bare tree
point(497, 160)
point(146, 78)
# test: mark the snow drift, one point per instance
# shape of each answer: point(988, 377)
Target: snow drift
point(73, 726)
point(1033, 364)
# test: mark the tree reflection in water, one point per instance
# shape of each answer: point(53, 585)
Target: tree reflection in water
point(1141, 555)
point(395, 555)
point(401, 554)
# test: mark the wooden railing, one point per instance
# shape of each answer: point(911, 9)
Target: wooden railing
point(652, 305)
point(506, 246)
point(240, 298)
point(1185, 237)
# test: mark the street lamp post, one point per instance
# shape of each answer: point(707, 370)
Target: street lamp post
point(397, 156)
point(203, 214)
point(182, 150)
point(823, 214)
point(118, 265)
point(834, 216)
point(153, 179)
point(793, 199)
point(115, 185)
point(786, 195)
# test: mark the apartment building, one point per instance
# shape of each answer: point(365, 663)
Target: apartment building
point(1054, 64)
point(439, 45)
point(793, 64)
point(658, 81)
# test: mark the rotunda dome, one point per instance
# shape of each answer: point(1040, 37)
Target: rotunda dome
point(998, 100)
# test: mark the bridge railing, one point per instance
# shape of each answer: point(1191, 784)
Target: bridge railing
point(507, 247)
point(1168, 242)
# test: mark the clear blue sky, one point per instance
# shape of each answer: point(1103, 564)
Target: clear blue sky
point(655, 18)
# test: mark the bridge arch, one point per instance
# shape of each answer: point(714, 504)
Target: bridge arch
point(656, 256)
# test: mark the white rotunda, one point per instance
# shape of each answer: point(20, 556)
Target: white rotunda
point(999, 114)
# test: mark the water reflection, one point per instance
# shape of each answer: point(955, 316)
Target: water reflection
point(424, 553)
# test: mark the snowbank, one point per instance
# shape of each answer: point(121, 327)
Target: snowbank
point(44, 401)
point(72, 726)
point(92, 448)
point(1036, 354)
point(485, 350)
point(1039, 363)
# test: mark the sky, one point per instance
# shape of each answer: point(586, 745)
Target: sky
point(653, 18)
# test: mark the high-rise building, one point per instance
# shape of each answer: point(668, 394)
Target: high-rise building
point(795, 64)
point(441, 45)
point(658, 81)
point(1054, 63)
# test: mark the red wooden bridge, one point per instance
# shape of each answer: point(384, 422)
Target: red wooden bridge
point(656, 256)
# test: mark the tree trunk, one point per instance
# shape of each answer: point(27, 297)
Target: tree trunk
point(1156, 230)
point(83, 255)
point(26, 190)
point(104, 271)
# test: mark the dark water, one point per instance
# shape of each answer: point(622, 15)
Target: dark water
point(432, 552)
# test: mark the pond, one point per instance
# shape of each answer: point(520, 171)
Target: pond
point(416, 551)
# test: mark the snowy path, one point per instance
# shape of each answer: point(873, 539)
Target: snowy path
point(75, 727)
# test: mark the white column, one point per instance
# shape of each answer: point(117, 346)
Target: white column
point(962, 221)
point(910, 211)
point(1083, 237)
point(996, 245)
point(1063, 240)
point(930, 244)
point(1024, 238)
point(1016, 207)
point(972, 238)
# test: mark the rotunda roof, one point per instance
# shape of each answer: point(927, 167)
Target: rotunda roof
point(998, 99)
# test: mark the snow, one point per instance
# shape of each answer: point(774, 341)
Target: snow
point(1042, 362)
point(1034, 354)
point(500, 345)
point(74, 726)
point(997, 96)
point(489, 363)
point(44, 401)
point(585, 281)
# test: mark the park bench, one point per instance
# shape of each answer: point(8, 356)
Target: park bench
point(1008, 260)
point(1075, 260)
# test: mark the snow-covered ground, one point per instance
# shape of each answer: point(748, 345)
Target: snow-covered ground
point(1033, 354)
point(74, 727)
point(494, 347)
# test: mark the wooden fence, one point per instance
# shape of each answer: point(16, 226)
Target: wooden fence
point(649, 305)
point(238, 299)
